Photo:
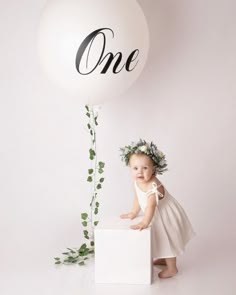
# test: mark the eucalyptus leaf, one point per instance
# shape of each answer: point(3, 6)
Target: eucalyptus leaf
point(70, 258)
point(92, 152)
point(84, 246)
point(90, 179)
point(84, 216)
point(101, 164)
point(81, 263)
point(85, 253)
point(85, 223)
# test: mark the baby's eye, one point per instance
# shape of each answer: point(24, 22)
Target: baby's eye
point(145, 168)
point(135, 168)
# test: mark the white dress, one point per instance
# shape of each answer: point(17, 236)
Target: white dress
point(171, 228)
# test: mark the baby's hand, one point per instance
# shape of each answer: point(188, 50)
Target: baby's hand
point(141, 225)
point(129, 216)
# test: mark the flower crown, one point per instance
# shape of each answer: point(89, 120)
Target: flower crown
point(149, 149)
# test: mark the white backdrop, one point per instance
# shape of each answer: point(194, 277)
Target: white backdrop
point(184, 101)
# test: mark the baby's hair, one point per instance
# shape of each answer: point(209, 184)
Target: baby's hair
point(148, 149)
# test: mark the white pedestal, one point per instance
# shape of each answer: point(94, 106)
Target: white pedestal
point(122, 255)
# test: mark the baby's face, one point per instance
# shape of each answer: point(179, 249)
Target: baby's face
point(142, 168)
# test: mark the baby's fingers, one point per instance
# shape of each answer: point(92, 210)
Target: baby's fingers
point(124, 216)
point(136, 226)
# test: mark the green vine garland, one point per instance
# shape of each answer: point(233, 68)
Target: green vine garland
point(96, 179)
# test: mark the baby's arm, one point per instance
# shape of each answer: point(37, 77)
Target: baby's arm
point(134, 212)
point(148, 214)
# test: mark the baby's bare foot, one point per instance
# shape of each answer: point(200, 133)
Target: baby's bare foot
point(167, 273)
point(160, 261)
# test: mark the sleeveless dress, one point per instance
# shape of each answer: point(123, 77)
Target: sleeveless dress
point(171, 228)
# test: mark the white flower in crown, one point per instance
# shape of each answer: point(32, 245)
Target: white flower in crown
point(162, 162)
point(160, 153)
point(143, 148)
point(126, 150)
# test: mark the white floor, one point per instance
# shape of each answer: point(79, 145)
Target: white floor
point(206, 268)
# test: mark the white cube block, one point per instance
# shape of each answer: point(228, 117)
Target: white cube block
point(122, 255)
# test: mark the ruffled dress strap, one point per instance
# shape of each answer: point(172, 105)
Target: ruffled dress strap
point(154, 190)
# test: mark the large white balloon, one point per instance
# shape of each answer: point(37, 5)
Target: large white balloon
point(94, 49)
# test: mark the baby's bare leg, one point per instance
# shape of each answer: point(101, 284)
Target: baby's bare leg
point(170, 270)
point(160, 261)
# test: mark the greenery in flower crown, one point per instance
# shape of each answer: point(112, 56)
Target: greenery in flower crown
point(149, 149)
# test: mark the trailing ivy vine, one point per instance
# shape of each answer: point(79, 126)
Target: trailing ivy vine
point(89, 220)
